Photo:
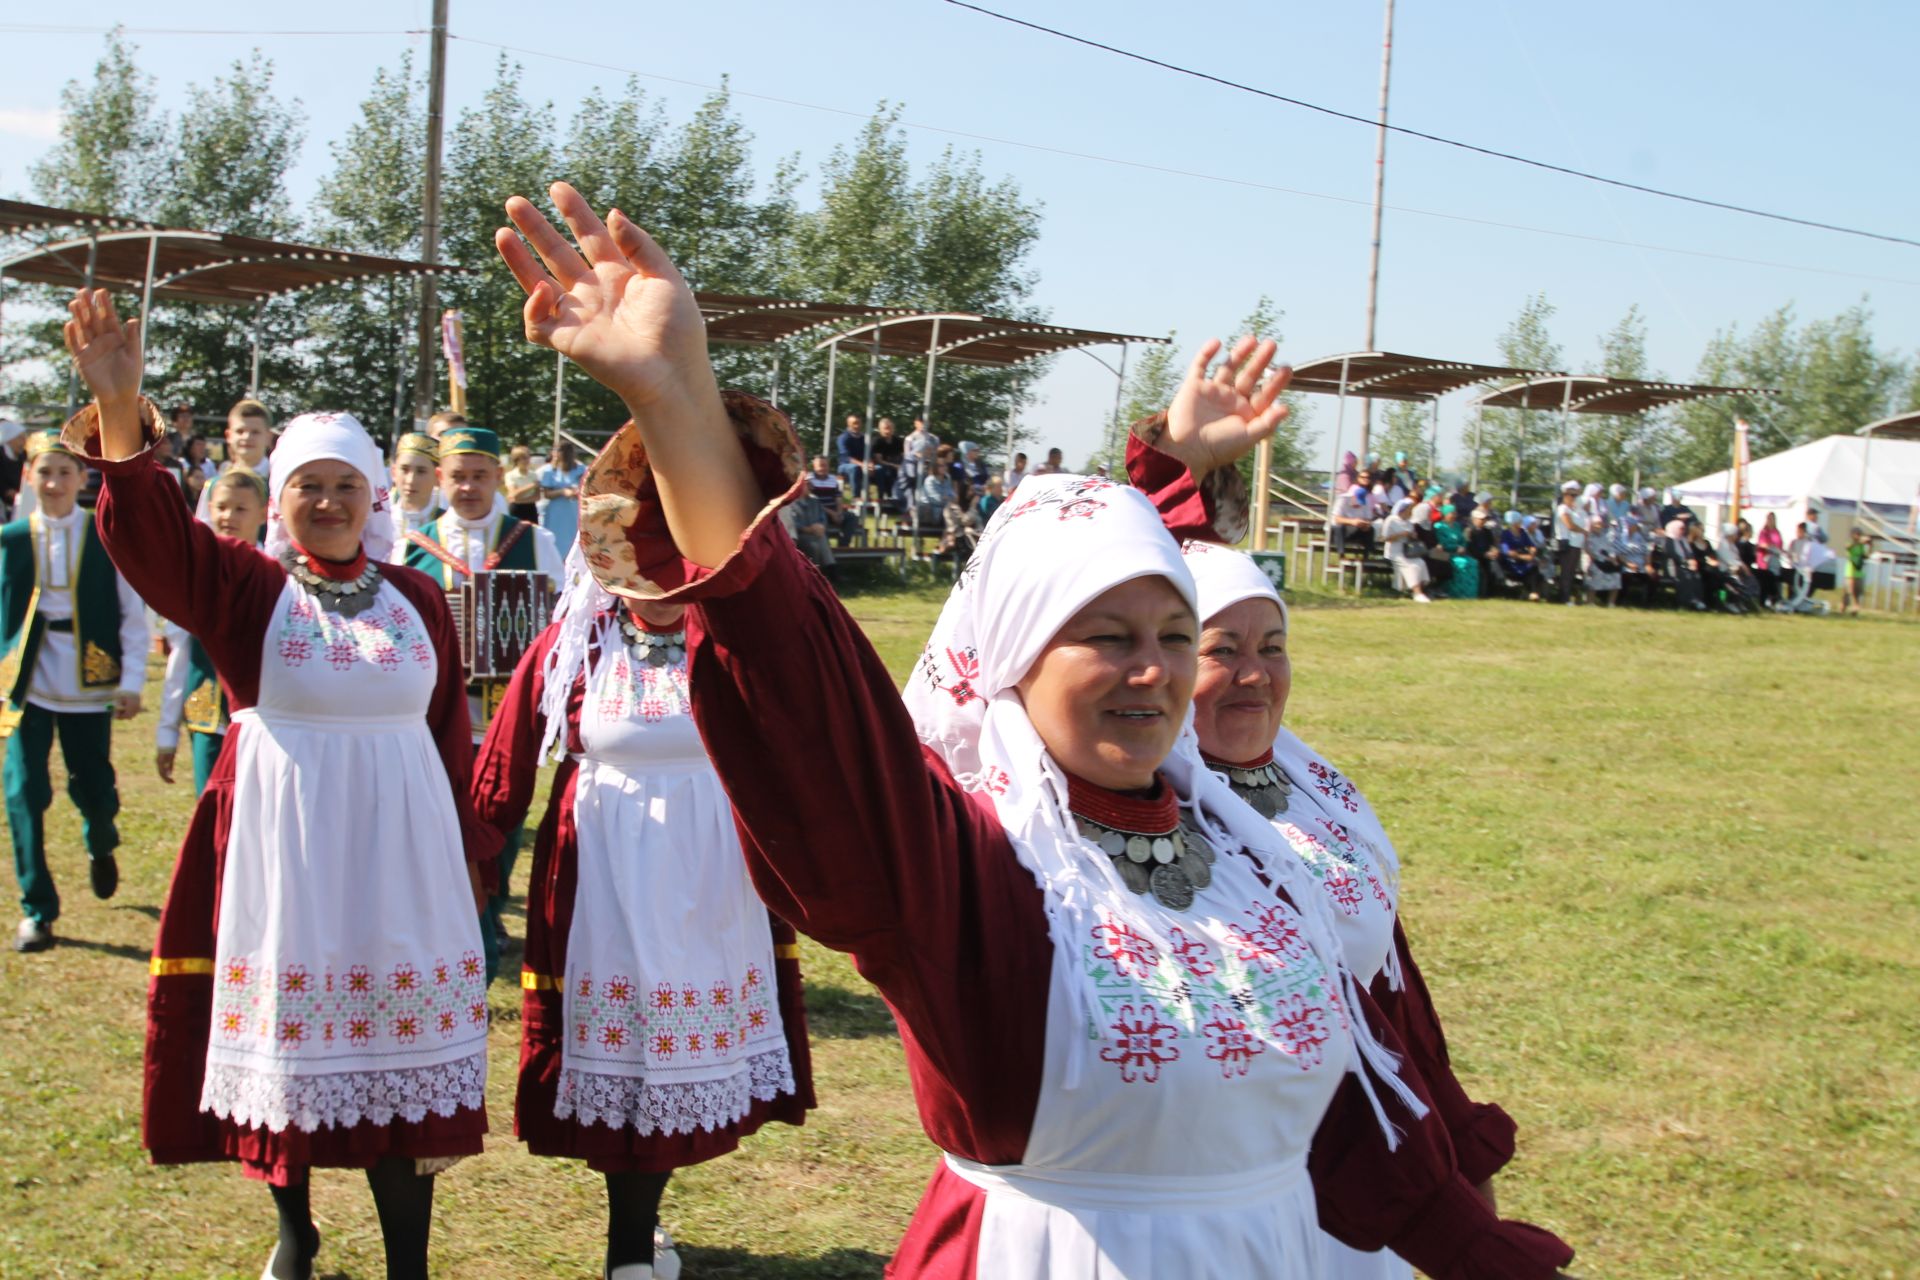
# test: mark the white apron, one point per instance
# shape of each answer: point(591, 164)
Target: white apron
point(1333, 829)
point(672, 1017)
point(348, 981)
point(1182, 1149)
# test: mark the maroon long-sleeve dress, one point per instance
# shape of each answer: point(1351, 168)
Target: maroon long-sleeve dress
point(226, 592)
point(503, 788)
point(916, 878)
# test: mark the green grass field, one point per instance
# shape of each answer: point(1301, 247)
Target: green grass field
point(1661, 872)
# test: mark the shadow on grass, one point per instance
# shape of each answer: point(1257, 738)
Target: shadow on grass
point(739, 1264)
point(121, 949)
point(835, 1013)
point(148, 910)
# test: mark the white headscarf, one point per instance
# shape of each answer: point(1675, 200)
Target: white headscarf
point(1064, 541)
point(1222, 578)
point(338, 437)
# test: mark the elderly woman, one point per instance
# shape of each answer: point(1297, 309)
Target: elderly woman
point(1603, 558)
point(316, 996)
point(1126, 1019)
point(1451, 536)
point(1245, 675)
point(1402, 541)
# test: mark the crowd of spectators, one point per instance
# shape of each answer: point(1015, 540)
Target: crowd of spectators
point(944, 490)
point(1599, 545)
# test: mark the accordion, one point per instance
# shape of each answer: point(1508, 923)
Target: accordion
point(498, 614)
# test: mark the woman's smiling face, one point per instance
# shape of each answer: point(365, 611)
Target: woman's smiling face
point(1109, 693)
point(1245, 676)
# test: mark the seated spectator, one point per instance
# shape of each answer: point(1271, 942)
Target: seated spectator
point(805, 521)
point(1015, 474)
point(824, 485)
point(1483, 548)
point(960, 526)
point(973, 464)
point(1602, 558)
point(852, 448)
point(1619, 505)
point(1638, 576)
point(989, 502)
point(1463, 571)
point(888, 451)
point(917, 451)
point(1424, 516)
point(1741, 556)
point(1716, 584)
point(1053, 466)
point(1683, 564)
point(935, 492)
point(1403, 552)
point(1518, 562)
point(1352, 521)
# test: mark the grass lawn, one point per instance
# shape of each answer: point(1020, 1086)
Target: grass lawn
point(1661, 873)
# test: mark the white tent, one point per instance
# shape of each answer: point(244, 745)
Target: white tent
point(1830, 476)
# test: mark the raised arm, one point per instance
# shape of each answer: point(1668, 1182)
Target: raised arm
point(189, 574)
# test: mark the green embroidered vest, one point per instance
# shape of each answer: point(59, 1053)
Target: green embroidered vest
point(519, 556)
point(205, 710)
point(96, 609)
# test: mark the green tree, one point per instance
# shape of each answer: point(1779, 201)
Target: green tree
point(113, 139)
point(1407, 428)
point(1615, 447)
point(1527, 437)
point(952, 241)
point(226, 171)
point(362, 353)
point(1292, 446)
point(1151, 381)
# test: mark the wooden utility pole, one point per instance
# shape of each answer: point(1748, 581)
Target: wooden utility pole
point(1379, 194)
point(429, 329)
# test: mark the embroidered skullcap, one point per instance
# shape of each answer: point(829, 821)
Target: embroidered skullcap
point(1223, 577)
point(481, 440)
point(48, 442)
point(417, 442)
point(332, 437)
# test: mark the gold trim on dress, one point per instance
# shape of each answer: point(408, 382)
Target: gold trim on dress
point(173, 966)
point(531, 981)
point(202, 711)
point(786, 951)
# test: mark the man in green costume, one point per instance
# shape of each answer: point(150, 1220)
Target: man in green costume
point(476, 535)
point(75, 653)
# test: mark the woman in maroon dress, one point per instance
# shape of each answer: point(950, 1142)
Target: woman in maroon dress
point(317, 996)
point(1126, 1021)
point(661, 1019)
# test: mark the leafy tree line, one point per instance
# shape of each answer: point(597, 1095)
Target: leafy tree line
point(947, 237)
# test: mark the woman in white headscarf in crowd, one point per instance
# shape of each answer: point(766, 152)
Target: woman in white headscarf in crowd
point(1403, 552)
point(1245, 676)
point(1140, 1059)
point(317, 998)
point(661, 1015)
point(1603, 557)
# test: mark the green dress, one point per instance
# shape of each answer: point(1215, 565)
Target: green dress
point(1465, 583)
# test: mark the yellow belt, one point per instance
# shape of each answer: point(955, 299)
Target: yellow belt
point(171, 966)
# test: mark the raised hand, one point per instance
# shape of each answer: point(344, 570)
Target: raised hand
point(106, 350)
point(622, 312)
point(1216, 419)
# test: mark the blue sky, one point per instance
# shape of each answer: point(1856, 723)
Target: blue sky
point(1758, 103)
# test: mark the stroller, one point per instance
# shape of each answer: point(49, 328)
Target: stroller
point(1805, 583)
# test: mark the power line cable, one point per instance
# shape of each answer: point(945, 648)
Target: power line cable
point(1148, 167)
point(60, 29)
point(1547, 165)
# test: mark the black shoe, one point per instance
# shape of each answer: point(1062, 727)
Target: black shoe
point(32, 936)
point(105, 874)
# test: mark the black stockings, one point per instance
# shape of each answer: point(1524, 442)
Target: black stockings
point(299, 1241)
point(633, 1210)
point(404, 1201)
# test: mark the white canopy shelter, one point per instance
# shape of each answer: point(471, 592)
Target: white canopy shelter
point(1832, 476)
